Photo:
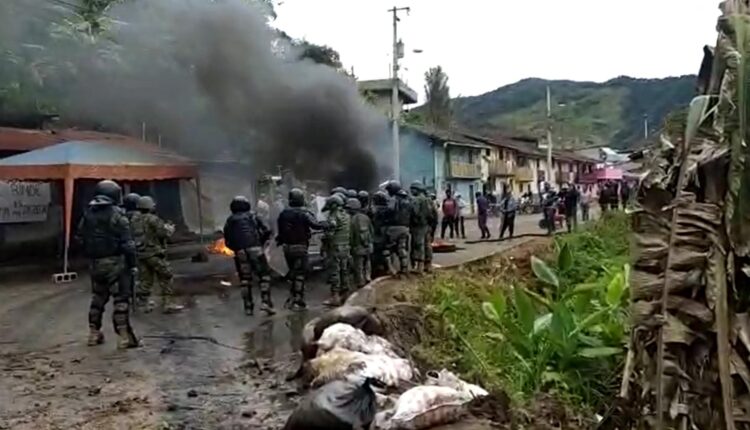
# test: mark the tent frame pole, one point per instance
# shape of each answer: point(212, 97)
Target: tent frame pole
point(200, 209)
point(69, 184)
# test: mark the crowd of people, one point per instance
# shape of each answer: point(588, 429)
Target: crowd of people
point(390, 232)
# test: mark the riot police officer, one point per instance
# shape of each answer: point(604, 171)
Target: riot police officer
point(295, 225)
point(130, 204)
point(246, 234)
point(105, 233)
point(399, 209)
point(380, 219)
point(364, 201)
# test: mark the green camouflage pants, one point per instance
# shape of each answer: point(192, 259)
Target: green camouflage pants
point(110, 278)
point(251, 264)
point(361, 268)
point(338, 270)
point(154, 272)
point(419, 243)
point(398, 240)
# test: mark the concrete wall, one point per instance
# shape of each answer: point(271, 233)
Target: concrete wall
point(417, 158)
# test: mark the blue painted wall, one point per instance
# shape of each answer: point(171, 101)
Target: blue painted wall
point(417, 160)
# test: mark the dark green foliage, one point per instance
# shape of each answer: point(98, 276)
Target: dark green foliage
point(608, 113)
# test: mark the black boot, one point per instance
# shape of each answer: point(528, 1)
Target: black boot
point(247, 301)
point(265, 303)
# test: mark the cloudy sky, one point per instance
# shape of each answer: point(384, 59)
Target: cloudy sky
point(484, 44)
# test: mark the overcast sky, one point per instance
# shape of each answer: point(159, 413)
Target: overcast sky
point(484, 44)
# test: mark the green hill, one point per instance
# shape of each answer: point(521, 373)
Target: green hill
point(584, 113)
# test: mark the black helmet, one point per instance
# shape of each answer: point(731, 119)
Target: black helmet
point(351, 193)
point(417, 186)
point(353, 204)
point(296, 198)
point(393, 187)
point(110, 190)
point(380, 198)
point(338, 190)
point(239, 204)
point(130, 201)
point(334, 201)
point(146, 204)
point(364, 198)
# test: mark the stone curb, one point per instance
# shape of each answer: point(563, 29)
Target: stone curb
point(365, 296)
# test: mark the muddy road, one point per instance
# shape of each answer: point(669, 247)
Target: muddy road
point(208, 367)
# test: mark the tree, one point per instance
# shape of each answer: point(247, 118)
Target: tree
point(320, 54)
point(688, 365)
point(439, 112)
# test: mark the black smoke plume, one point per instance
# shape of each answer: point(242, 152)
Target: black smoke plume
point(215, 81)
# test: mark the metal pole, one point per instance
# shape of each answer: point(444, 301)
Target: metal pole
point(645, 126)
point(549, 137)
point(395, 111)
point(200, 209)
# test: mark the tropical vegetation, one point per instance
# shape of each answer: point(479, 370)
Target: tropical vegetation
point(557, 323)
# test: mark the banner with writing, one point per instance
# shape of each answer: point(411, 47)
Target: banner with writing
point(23, 201)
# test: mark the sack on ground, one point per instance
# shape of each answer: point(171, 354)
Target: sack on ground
point(355, 316)
point(347, 337)
point(446, 378)
point(340, 405)
point(334, 365)
point(340, 363)
point(423, 407)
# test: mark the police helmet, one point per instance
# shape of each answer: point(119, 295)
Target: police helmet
point(393, 187)
point(334, 201)
point(296, 198)
point(402, 193)
point(417, 186)
point(353, 204)
point(380, 198)
point(146, 204)
point(239, 204)
point(351, 194)
point(130, 201)
point(338, 190)
point(110, 190)
point(364, 198)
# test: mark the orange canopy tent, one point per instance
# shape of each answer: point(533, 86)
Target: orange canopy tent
point(73, 160)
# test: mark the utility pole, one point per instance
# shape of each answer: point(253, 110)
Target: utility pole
point(549, 137)
point(395, 105)
point(645, 126)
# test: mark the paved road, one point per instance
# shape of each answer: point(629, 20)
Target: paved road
point(50, 379)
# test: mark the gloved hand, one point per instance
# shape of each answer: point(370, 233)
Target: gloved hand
point(170, 228)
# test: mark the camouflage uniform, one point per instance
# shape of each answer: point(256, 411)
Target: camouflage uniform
point(361, 243)
point(339, 237)
point(151, 233)
point(246, 234)
point(420, 226)
point(105, 233)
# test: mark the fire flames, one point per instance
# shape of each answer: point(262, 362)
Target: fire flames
point(220, 247)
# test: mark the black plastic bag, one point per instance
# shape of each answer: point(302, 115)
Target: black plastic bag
point(338, 405)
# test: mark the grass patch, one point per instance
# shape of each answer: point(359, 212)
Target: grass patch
point(557, 327)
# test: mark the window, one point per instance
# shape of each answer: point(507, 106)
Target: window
point(500, 154)
point(523, 161)
point(487, 152)
point(471, 157)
